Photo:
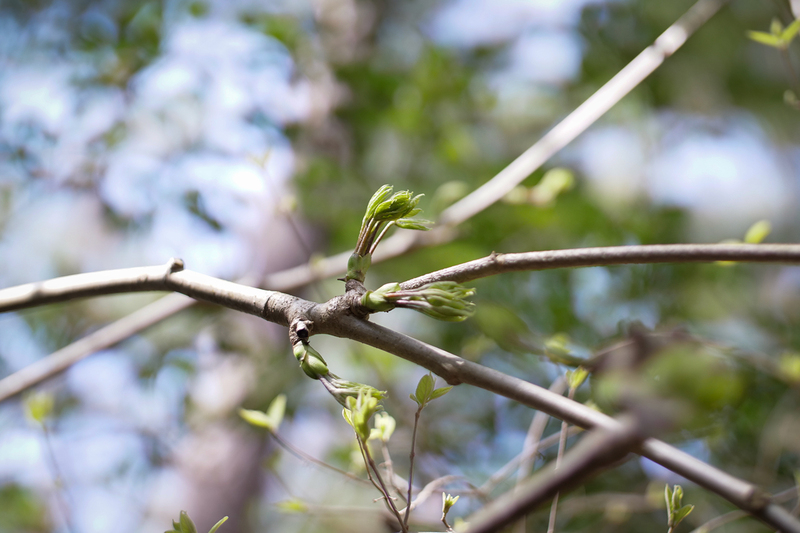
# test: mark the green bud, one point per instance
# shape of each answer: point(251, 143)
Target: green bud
point(361, 410)
point(377, 301)
point(384, 427)
point(443, 300)
point(448, 501)
point(383, 210)
point(341, 389)
point(186, 524)
point(311, 361)
point(299, 351)
point(396, 207)
point(357, 267)
point(40, 406)
point(410, 223)
point(379, 197)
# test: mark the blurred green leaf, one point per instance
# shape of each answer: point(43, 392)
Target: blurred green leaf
point(790, 32)
point(758, 232)
point(215, 527)
point(269, 420)
point(292, 506)
point(40, 405)
point(766, 38)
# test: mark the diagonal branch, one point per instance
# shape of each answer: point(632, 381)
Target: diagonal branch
point(585, 115)
point(456, 370)
point(598, 450)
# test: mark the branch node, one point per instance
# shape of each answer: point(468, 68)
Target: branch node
point(175, 264)
point(300, 330)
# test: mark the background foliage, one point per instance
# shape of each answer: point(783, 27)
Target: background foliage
point(247, 136)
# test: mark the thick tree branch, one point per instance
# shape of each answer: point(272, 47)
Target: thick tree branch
point(612, 255)
point(333, 318)
point(403, 241)
point(251, 300)
point(595, 452)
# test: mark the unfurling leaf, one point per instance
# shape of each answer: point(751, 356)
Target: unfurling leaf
point(216, 526)
point(766, 38)
point(269, 420)
point(758, 232)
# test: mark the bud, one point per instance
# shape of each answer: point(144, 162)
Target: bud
point(311, 361)
point(361, 410)
point(341, 389)
point(383, 210)
point(443, 300)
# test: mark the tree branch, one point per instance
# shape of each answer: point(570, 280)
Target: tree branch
point(612, 255)
point(333, 318)
point(596, 451)
point(585, 115)
point(456, 370)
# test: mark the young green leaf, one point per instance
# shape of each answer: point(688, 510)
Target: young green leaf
point(766, 38)
point(790, 32)
point(216, 526)
point(758, 232)
point(438, 393)
point(292, 506)
point(682, 513)
point(40, 406)
point(416, 224)
point(276, 410)
point(269, 420)
point(424, 389)
point(187, 526)
point(384, 427)
point(575, 378)
point(668, 498)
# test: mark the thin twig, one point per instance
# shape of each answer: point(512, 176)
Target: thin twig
point(382, 488)
point(411, 456)
point(532, 443)
point(300, 454)
point(456, 370)
point(597, 451)
point(514, 463)
point(585, 115)
point(58, 479)
point(389, 466)
point(562, 446)
point(714, 523)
